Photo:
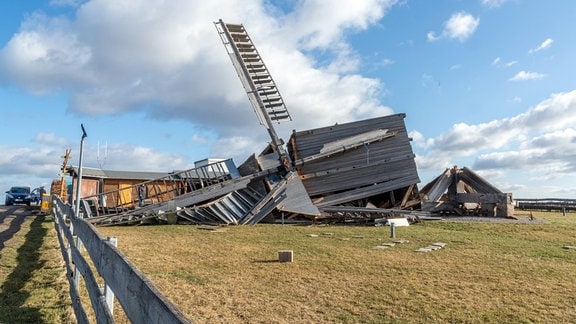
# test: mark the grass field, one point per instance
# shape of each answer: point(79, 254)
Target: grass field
point(33, 286)
point(487, 272)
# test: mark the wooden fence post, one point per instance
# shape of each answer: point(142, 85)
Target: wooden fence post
point(108, 293)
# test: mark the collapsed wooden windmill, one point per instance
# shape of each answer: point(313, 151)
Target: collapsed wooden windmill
point(357, 170)
point(461, 191)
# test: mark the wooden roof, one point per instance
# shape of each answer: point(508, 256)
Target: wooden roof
point(114, 174)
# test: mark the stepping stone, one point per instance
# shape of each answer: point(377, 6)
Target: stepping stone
point(388, 244)
point(569, 247)
point(400, 241)
point(440, 244)
point(285, 256)
point(312, 235)
point(380, 247)
point(423, 250)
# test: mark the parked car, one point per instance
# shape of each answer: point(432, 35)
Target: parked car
point(18, 195)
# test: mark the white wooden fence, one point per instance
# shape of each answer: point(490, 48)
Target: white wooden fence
point(140, 300)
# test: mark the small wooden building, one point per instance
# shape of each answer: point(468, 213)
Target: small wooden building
point(95, 182)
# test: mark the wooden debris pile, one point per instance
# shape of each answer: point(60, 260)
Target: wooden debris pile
point(357, 171)
point(463, 192)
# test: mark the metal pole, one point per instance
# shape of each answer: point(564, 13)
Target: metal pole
point(79, 180)
point(77, 204)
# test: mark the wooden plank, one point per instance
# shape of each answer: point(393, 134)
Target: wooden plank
point(367, 191)
point(360, 176)
point(355, 140)
point(407, 195)
point(389, 148)
point(297, 199)
point(439, 186)
point(477, 182)
point(311, 141)
point(336, 149)
point(266, 205)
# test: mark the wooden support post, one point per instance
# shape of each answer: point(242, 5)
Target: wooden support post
point(108, 293)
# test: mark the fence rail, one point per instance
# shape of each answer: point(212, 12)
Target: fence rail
point(140, 300)
point(546, 204)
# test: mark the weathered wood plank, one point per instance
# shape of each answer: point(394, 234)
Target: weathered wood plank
point(482, 198)
point(477, 182)
point(359, 176)
point(310, 142)
point(367, 191)
point(438, 187)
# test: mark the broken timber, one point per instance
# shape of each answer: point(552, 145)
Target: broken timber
point(461, 191)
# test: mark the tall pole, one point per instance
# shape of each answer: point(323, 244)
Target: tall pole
point(79, 180)
point(77, 203)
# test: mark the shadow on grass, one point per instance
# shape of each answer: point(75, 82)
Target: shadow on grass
point(14, 227)
point(13, 295)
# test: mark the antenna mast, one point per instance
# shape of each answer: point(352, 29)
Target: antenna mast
point(102, 160)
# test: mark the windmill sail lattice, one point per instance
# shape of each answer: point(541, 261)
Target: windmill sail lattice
point(257, 81)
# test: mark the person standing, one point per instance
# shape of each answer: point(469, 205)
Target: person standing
point(141, 195)
point(41, 193)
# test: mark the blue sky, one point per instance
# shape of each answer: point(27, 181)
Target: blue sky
point(486, 84)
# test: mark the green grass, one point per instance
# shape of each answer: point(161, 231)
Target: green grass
point(33, 287)
point(487, 272)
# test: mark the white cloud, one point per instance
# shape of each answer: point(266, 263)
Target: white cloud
point(386, 62)
point(498, 62)
point(140, 158)
point(544, 45)
point(460, 26)
point(493, 3)
point(50, 138)
point(29, 161)
point(65, 3)
point(431, 36)
point(524, 75)
point(326, 21)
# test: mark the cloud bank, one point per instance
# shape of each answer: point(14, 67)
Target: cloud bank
point(119, 58)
